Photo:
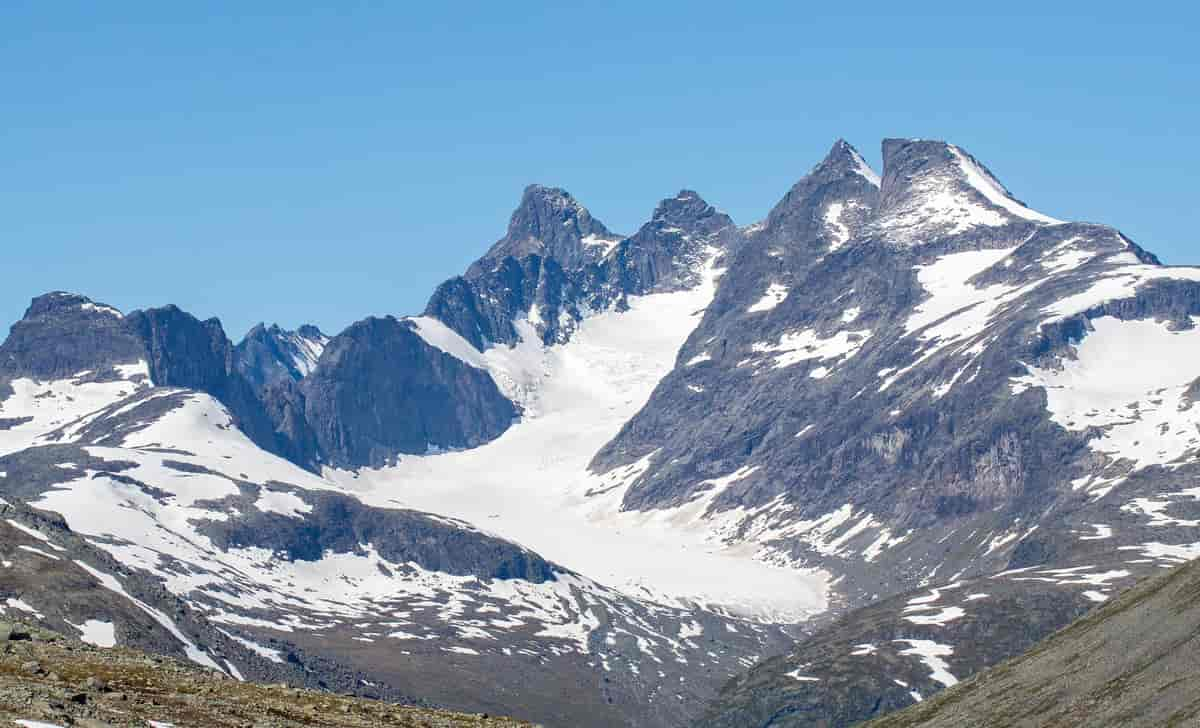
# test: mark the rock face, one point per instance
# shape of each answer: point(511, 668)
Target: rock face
point(340, 524)
point(63, 335)
point(380, 390)
point(183, 351)
point(270, 355)
point(555, 292)
point(549, 223)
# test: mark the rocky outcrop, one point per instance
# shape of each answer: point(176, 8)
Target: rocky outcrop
point(183, 351)
point(549, 223)
point(269, 355)
point(554, 291)
point(67, 335)
point(381, 390)
point(339, 524)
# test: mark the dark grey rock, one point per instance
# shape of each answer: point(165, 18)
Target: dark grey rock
point(549, 223)
point(269, 355)
point(183, 351)
point(341, 524)
point(65, 334)
point(381, 390)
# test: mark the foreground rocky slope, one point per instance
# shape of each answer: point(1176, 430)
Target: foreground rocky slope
point(1134, 661)
point(48, 680)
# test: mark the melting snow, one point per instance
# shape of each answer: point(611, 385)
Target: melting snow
point(606, 245)
point(947, 614)
point(272, 655)
point(946, 282)
point(1121, 282)
point(53, 404)
point(1156, 509)
point(39, 552)
point(281, 502)
point(97, 632)
point(35, 534)
point(863, 169)
point(1125, 380)
point(101, 309)
point(774, 296)
point(797, 346)
point(839, 232)
point(931, 653)
point(23, 606)
point(1102, 532)
point(194, 653)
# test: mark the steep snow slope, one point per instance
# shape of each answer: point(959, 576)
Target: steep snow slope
point(532, 483)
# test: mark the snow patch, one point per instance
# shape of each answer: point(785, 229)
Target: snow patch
point(1125, 380)
point(97, 632)
point(774, 296)
point(931, 654)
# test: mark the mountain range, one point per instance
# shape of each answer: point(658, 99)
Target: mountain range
point(806, 471)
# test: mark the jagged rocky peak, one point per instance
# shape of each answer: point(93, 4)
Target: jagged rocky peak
point(550, 223)
point(844, 159)
point(826, 209)
point(63, 334)
point(686, 209)
point(688, 214)
point(670, 250)
point(933, 190)
point(270, 354)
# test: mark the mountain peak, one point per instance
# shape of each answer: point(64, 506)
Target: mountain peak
point(551, 223)
point(828, 205)
point(311, 331)
point(685, 210)
point(843, 158)
point(932, 189)
point(63, 334)
point(269, 354)
point(56, 302)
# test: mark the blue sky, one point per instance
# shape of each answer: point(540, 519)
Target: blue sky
point(318, 164)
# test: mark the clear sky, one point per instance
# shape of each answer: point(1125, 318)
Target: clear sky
point(319, 164)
